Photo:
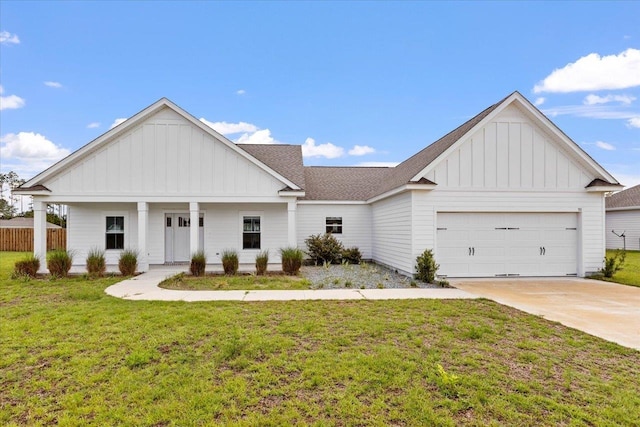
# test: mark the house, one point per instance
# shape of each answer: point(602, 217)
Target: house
point(21, 222)
point(623, 219)
point(507, 193)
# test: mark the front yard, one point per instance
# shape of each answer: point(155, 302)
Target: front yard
point(71, 355)
point(630, 274)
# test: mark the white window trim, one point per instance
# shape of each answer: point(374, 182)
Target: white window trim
point(326, 217)
point(127, 229)
point(241, 216)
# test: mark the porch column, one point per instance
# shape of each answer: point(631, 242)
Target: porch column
point(143, 232)
point(194, 229)
point(291, 224)
point(40, 233)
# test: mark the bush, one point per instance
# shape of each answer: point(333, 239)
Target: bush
point(614, 263)
point(59, 262)
point(352, 255)
point(262, 259)
point(324, 248)
point(426, 267)
point(28, 266)
point(128, 262)
point(230, 262)
point(96, 265)
point(198, 263)
point(291, 260)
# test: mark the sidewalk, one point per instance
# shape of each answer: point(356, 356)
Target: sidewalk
point(145, 287)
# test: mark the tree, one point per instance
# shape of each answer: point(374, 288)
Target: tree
point(10, 181)
point(6, 210)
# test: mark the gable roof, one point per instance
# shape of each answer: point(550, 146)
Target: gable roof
point(136, 119)
point(282, 158)
point(343, 183)
point(629, 198)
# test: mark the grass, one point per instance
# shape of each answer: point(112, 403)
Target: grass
point(630, 274)
point(71, 355)
point(232, 283)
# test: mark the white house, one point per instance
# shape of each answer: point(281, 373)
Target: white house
point(623, 219)
point(507, 193)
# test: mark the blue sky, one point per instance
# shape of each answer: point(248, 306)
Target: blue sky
point(357, 83)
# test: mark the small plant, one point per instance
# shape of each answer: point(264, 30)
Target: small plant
point(96, 265)
point(352, 255)
point(262, 259)
point(27, 267)
point(348, 284)
point(198, 263)
point(447, 382)
point(413, 284)
point(444, 283)
point(614, 263)
point(59, 262)
point(324, 248)
point(291, 260)
point(426, 267)
point(336, 281)
point(230, 262)
point(128, 262)
point(380, 286)
point(362, 287)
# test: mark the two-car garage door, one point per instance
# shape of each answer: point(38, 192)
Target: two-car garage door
point(507, 244)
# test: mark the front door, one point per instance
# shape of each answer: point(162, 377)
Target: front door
point(176, 237)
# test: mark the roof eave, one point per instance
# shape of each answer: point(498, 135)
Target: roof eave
point(403, 189)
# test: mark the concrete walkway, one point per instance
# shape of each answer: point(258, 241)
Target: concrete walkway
point(606, 310)
point(145, 287)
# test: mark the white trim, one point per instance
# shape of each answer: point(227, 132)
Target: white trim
point(604, 188)
point(241, 215)
point(332, 202)
point(127, 230)
point(113, 198)
point(289, 193)
point(402, 189)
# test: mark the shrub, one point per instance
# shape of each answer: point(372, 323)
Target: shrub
point(614, 263)
point(128, 262)
point(96, 265)
point(291, 260)
point(352, 255)
point(28, 266)
point(262, 259)
point(59, 262)
point(230, 262)
point(426, 267)
point(324, 248)
point(198, 263)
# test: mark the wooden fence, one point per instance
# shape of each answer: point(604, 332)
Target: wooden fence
point(21, 239)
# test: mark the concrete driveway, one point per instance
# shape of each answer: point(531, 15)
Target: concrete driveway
point(606, 310)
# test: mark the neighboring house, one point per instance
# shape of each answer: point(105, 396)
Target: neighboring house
point(20, 222)
point(506, 193)
point(623, 218)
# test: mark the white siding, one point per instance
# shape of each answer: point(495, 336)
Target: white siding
point(392, 232)
point(356, 224)
point(165, 155)
point(623, 221)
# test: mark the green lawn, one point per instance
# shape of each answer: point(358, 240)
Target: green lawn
point(71, 355)
point(246, 282)
point(630, 274)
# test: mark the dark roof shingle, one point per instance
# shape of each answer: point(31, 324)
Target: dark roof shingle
point(343, 183)
point(624, 199)
point(284, 159)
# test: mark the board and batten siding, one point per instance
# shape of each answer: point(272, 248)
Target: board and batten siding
point(356, 224)
point(623, 221)
point(392, 232)
point(165, 155)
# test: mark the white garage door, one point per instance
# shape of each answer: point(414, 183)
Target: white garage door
point(507, 244)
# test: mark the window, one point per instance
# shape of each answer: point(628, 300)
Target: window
point(250, 232)
point(334, 224)
point(115, 232)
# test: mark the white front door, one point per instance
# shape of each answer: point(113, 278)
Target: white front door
point(507, 244)
point(176, 237)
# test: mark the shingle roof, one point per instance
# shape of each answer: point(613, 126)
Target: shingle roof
point(20, 222)
point(343, 183)
point(282, 158)
point(624, 199)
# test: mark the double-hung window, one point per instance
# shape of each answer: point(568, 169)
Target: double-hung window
point(250, 232)
point(114, 232)
point(334, 224)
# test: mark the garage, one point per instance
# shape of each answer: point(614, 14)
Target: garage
point(506, 244)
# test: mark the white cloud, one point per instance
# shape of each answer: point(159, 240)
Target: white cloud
point(10, 102)
point(605, 145)
point(230, 128)
point(262, 136)
point(594, 72)
point(30, 147)
point(595, 99)
point(56, 85)
point(93, 125)
point(634, 122)
point(539, 101)
point(241, 92)
point(361, 150)
point(627, 179)
point(327, 150)
point(7, 38)
point(591, 111)
point(117, 121)
point(378, 164)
